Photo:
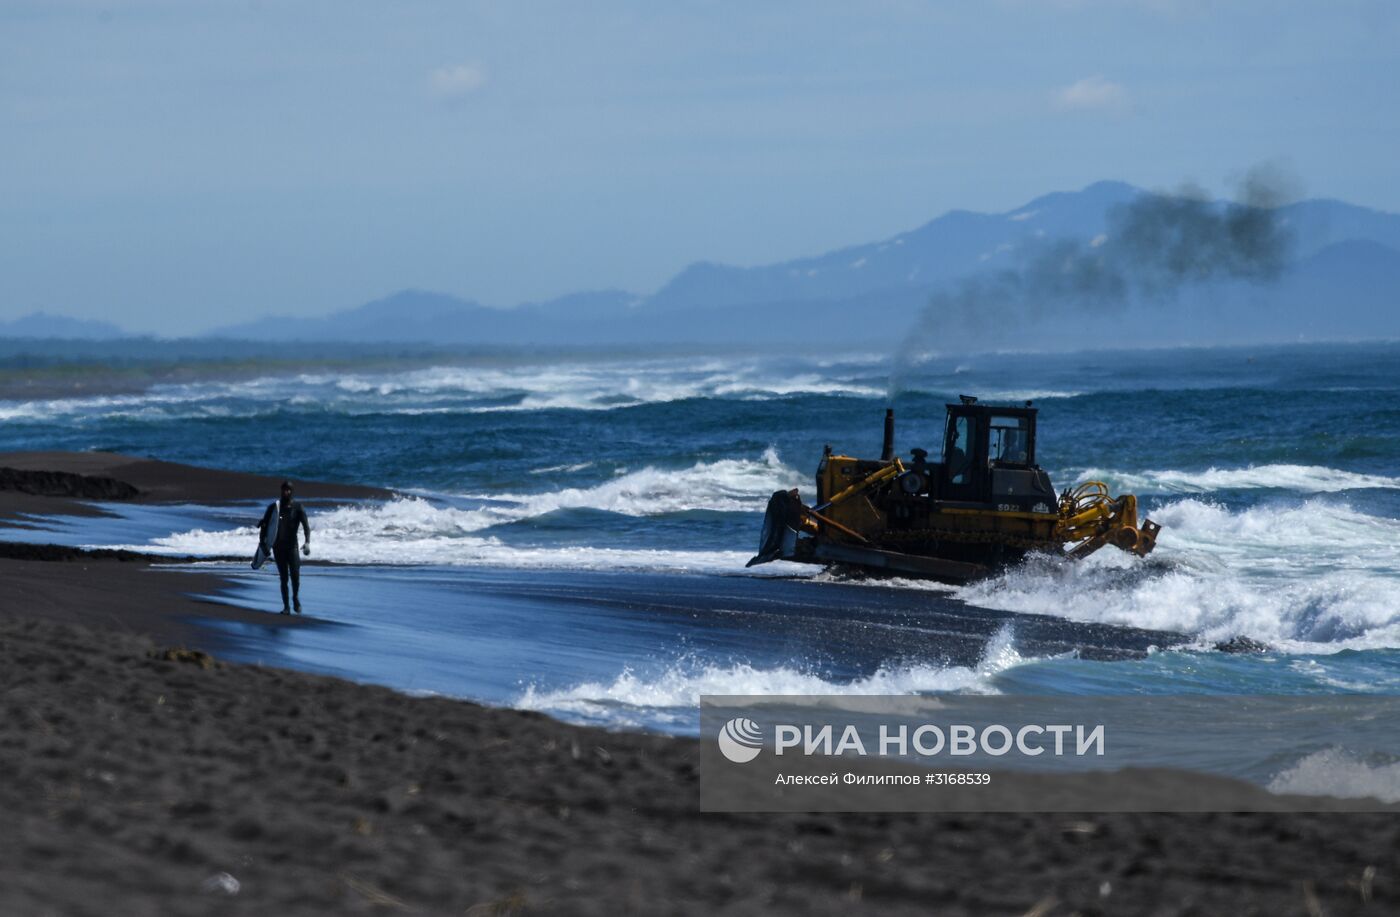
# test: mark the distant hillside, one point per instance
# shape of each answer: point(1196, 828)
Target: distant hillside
point(42, 325)
point(1343, 283)
point(1340, 285)
point(958, 243)
point(419, 316)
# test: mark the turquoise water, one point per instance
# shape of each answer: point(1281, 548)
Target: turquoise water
point(574, 534)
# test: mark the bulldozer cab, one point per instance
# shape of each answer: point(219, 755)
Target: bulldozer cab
point(980, 438)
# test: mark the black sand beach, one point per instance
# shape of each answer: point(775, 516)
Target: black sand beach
point(70, 477)
point(144, 778)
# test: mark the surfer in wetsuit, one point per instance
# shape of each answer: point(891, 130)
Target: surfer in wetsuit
point(284, 550)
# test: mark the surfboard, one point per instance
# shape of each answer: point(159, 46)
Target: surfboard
point(269, 539)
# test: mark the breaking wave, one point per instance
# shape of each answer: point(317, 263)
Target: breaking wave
point(456, 389)
point(1315, 577)
point(673, 694)
point(416, 530)
point(727, 485)
point(1308, 479)
point(1331, 772)
point(342, 546)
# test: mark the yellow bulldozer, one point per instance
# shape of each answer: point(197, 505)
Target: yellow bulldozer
point(983, 507)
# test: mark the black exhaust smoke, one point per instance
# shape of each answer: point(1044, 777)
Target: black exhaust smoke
point(1156, 247)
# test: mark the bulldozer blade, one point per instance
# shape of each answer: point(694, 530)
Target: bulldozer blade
point(778, 538)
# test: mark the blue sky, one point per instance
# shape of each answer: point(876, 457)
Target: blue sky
point(174, 166)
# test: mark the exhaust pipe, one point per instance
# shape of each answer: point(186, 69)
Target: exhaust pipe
point(887, 453)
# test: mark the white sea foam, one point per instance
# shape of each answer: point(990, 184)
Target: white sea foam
point(1315, 577)
point(727, 485)
point(186, 401)
point(597, 386)
point(583, 385)
point(1028, 394)
point(433, 546)
point(1310, 479)
point(679, 686)
point(415, 530)
point(1331, 772)
point(564, 469)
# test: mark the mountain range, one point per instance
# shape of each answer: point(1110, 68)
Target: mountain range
point(1342, 283)
point(43, 325)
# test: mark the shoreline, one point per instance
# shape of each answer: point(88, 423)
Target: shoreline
point(54, 475)
point(142, 774)
point(129, 595)
point(117, 588)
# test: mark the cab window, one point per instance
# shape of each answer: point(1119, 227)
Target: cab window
point(1009, 441)
point(957, 451)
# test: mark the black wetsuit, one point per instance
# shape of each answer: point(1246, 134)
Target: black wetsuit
point(284, 549)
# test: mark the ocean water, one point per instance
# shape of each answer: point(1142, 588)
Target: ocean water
point(572, 536)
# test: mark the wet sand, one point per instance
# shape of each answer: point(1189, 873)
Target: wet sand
point(135, 781)
point(141, 780)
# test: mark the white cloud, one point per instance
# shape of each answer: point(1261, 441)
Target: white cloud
point(1093, 94)
point(457, 81)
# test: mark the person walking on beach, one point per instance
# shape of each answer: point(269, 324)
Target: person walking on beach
point(284, 550)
